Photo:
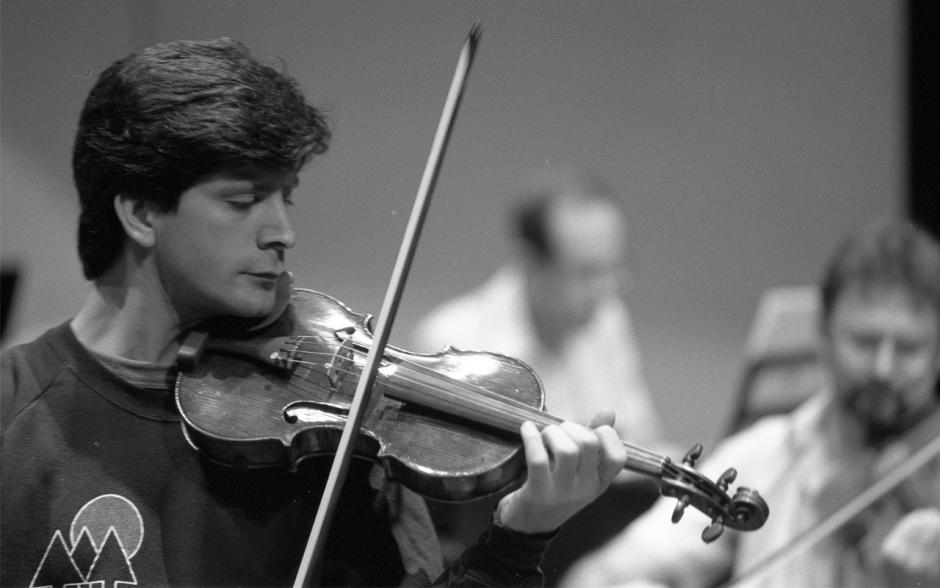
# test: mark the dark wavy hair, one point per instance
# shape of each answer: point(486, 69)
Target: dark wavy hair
point(158, 120)
point(885, 253)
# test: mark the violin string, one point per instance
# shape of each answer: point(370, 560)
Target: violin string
point(491, 402)
point(422, 378)
point(425, 378)
point(479, 399)
point(478, 407)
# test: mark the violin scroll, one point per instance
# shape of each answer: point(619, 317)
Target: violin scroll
point(746, 511)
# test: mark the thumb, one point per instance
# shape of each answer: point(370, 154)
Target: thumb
point(604, 416)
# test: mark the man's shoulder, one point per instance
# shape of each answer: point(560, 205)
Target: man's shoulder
point(38, 349)
point(748, 447)
point(777, 435)
point(27, 369)
point(470, 315)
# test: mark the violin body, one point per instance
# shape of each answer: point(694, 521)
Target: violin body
point(444, 425)
point(283, 396)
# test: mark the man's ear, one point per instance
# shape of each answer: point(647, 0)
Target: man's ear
point(136, 216)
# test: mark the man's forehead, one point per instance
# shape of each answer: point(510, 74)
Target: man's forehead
point(885, 305)
point(253, 175)
point(588, 231)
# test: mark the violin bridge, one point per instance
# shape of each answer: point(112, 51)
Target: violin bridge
point(285, 355)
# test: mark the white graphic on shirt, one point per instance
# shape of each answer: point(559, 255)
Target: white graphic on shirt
point(103, 537)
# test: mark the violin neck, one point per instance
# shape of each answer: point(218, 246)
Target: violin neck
point(500, 412)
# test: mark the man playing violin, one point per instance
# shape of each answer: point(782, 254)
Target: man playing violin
point(185, 160)
point(879, 412)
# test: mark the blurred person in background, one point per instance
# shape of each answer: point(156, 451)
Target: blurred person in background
point(879, 337)
point(559, 305)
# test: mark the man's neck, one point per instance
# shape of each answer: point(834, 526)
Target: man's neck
point(550, 332)
point(130, 319)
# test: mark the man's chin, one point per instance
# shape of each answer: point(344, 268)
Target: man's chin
point(238, 320)
point(255, 304)
point(245, 308)
point(884, 427)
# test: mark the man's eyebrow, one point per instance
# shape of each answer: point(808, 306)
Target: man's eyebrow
point(270, 185)
point(237, 185)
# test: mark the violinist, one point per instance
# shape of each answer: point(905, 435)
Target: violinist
point(186, 160)
point(879, 338)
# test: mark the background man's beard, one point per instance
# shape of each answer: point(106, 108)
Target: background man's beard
point(881, 424)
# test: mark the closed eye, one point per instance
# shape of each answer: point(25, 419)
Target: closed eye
point(243, 202)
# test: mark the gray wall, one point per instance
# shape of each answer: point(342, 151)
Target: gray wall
point(746, 135)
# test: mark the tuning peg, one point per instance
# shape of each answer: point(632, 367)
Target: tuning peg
point(712, 531)
point(681, 505)
point(727, 478)
point(692, 455)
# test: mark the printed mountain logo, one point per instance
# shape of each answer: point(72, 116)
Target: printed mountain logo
point(104, 536)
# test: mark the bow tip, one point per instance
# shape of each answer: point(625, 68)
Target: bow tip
point(475, 31)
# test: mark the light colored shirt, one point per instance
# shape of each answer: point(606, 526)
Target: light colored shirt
point(800, 464)
point(597, 367)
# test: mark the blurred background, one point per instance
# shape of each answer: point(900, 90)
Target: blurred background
point(746, 137)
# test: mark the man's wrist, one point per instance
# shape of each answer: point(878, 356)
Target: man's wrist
point(500, 520)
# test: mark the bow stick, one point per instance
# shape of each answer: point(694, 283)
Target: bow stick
point(386, 316)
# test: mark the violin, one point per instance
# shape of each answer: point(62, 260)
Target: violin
point(444, 425)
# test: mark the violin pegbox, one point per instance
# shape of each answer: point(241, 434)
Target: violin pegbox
point(746, 511)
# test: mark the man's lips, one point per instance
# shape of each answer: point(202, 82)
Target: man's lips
point(265, 275)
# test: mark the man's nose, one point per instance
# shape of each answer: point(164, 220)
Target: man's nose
point(885, 358)
point(277, 231)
